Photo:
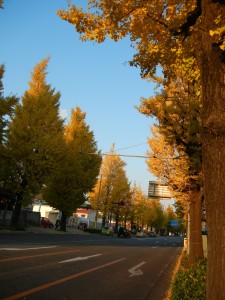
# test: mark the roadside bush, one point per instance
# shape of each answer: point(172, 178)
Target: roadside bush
point(190, 282)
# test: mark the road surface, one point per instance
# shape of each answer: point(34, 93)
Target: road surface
point(86, 267)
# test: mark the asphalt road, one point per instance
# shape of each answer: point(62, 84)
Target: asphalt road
point(86, 267)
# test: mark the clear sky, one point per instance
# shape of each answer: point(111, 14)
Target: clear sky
point(95, 77)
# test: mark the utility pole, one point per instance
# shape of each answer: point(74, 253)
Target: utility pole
point(99, 191)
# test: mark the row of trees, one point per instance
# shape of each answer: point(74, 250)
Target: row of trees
point(186, 39)
point(176, 148)
point(39, 153)
point(118, 201)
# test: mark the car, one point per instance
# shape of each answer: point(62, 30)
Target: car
point(140, 233)
point(152, 234)
point(123, 233)
point(46, 223)
point(82, 226)
point(106, 230)
point(171, 234)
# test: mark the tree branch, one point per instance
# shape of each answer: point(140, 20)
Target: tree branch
point(191, 20)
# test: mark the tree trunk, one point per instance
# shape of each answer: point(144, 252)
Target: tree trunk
point(63, 222)
point(16, 213)
point(213, 89)
point(103, 221)
point(117, 220)
point(195, 235)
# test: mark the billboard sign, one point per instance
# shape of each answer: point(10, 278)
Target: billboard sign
point(159, 190)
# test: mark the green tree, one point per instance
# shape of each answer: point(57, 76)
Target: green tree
point(35, 138)
point(63, 190)
point(170, 215)
point(80, 139)
point(181, 213)
point(7, 105)
point(155, 214)
point(77, 173)
point(139, 207)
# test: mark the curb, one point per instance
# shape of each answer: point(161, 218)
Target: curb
point(36, 229)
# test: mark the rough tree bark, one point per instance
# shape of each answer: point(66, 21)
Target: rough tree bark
point(195, 211)
point(213, 88)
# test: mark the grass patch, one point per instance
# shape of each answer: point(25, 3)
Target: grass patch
point(189, 282)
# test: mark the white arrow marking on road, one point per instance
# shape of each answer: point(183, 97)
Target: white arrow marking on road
point(78, 258)
point(22, 249)
point(135, 271)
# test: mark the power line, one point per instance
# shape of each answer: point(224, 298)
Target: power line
point(128, 155)
point(130, 147)
point(111, 154)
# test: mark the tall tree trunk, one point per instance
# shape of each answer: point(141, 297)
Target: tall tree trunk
point(117, 220)
point(63, 222)
point(195, 211)
point(103, 220)
point(17, 209)
point(213, 88)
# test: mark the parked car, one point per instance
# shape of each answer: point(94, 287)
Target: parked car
point(152, 234)
point(82, 226)
point(46, 223)
point(106, 230)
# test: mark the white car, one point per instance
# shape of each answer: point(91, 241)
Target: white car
point(140, 233)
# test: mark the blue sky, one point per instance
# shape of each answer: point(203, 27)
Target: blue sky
point(95, 77)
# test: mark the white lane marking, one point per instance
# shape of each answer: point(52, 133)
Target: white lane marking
point(22, 249)
point(79, 258)
point(135, 271)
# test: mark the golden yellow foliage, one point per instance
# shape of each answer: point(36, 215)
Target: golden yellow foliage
point(38, 77)
point(169, 165)
point(151, 26)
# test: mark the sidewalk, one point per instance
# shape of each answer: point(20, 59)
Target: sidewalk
point(40, 229)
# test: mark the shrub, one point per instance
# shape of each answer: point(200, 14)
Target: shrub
point(190, 281)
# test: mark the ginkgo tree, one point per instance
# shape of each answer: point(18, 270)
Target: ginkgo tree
point(76, 174)
point(170, 215)
point(112, 191)
point(138, 207)
point(35, 139)
point(7, 106)
point(177, 111)
point(145, 212)
point(163, 33)
point(172, 167)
